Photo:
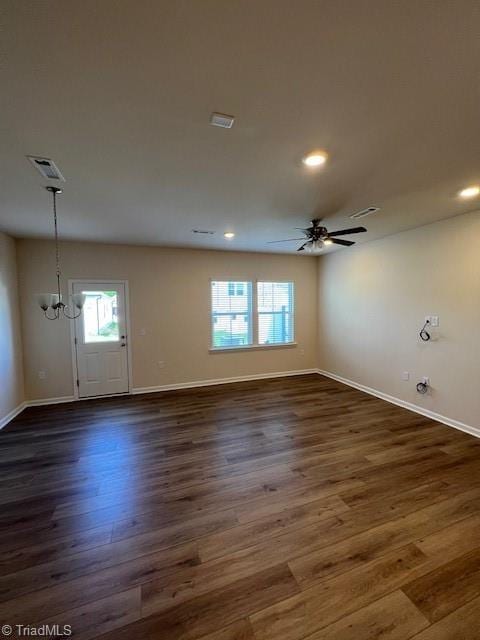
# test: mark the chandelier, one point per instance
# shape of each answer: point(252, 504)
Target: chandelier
point(53, 301)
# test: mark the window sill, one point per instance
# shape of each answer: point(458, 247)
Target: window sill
point(253, 347)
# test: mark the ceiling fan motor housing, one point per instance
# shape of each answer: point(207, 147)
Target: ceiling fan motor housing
point(317, 232)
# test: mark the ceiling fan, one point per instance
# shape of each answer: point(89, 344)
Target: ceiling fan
point(317, 237)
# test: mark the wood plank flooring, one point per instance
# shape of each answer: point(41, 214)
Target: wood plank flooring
point(278, 509)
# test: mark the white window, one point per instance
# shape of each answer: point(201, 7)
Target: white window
point(275, 312)
point(231, 314)
point(246, 314)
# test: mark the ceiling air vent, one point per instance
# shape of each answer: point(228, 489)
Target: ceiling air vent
point(203, 231)
point(365, 212)
point(46, 167)
point(222, 120)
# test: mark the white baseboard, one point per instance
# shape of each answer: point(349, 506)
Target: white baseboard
point(32, 403)
point(44, 401)
point(215, 381)
point(456, 424)
point(166, 387)
point(12, 414)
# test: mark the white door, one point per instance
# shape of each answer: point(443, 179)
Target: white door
point(101, 340)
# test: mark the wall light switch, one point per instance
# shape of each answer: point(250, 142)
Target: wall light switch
point(143, 332)
point(405, 376)
point(42, 375)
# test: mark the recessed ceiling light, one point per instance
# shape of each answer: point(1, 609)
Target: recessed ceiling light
point(229, 235)
point(469, 192)
point(315, 159)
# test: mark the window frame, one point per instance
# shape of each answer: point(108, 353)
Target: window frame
point(291, 311)
point(249, 313)
point(254, 315)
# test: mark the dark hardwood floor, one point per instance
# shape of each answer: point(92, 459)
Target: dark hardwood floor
point(269, 510)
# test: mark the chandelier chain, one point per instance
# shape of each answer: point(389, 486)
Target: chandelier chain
point(57, 305)
point(57, 250)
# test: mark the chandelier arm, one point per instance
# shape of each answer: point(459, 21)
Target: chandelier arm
point(71, 317)
point(55, 316)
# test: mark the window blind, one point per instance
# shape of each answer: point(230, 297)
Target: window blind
point(275, 312)
point(231, 314)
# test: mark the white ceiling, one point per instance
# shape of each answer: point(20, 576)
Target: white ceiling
point(119, 93)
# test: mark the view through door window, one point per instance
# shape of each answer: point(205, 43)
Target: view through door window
point(100, 316)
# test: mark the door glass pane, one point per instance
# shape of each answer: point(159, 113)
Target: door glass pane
point(100, 316)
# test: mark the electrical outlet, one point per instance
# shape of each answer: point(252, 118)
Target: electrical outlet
point(405, 376)
point(42, 375)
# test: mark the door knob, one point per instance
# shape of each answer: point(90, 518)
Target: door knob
point(124, 344)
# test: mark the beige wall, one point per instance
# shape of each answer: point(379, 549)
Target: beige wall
point(372, 303)
point(11, 370)
point(169, 297)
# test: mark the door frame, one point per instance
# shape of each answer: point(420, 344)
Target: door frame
point(71, 283)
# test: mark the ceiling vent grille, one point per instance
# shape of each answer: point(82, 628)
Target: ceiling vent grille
point(46, 167)
point(222, 120)
point(365, 212)
point(203, 231)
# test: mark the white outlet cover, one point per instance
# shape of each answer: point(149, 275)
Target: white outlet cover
point(406, 376)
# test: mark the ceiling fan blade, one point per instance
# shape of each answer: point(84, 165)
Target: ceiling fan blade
point(302, 247)
point(344, 232)
point(344, 243)
point(289, 240)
